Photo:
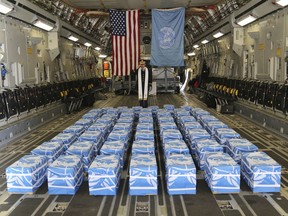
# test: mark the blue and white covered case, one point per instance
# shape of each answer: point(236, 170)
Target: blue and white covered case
point(204, 119)
point(223, 134)
point(204, 147)
point(51, 150)
point(75, 129)
point(261, 172)
point(83, 149)
point(181, 174)
point(66, 138)
point(236, 147)
point(144, 135)
point(213, 125)
point(92, 136)
point(104, 175)
point(143, 175)
point(143, 147)
point(145, 126)
point(114, 148)
point(171, 134)
point(84, 122)
point(222, 173)
point(65, 175)
point(175, 147)
point(27, 174)
point(194, 135)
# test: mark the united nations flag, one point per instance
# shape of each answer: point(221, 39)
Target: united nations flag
point(167, 47)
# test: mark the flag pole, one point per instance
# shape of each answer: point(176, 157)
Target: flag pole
point(129, 84)
point(113, 82)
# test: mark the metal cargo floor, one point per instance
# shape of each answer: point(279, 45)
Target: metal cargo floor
point(203, 203)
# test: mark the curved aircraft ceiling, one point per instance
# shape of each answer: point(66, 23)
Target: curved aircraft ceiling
point(139, 4)
point(91, 16)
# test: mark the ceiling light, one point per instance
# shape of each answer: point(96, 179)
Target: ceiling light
point(43, 25)
point(196, 46)
point(88, 44)
point(246, 20)
point(282, 3)
point(218, 34)
point(102, 56)
point(72, 38)
point(5, 8)
point(191, 54)
point(97, 48)
point(204, 41)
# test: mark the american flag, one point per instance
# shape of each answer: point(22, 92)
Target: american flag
point(125, 41)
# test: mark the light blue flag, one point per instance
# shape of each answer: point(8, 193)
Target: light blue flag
point(167, 47)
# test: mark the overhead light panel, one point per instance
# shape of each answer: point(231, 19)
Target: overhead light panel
point(5, 8)
point(218, 34)
point(88, 44)
point(72, 38)
point(191, 54)
point(246, 20)
point(204, 41)
point(102, 56)
point(43, 25)
point(97, 48)
point(196, 46)
point(282, 3)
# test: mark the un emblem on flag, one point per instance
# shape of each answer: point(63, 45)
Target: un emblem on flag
point(166, 37)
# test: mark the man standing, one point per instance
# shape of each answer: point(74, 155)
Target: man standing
point(3, 73)
point(144, 84)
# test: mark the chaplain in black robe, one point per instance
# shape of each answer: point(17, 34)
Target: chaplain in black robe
point(144, 84)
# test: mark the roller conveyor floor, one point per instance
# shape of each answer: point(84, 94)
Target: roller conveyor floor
point(203, 203)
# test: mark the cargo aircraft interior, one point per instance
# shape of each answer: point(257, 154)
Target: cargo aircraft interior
point(144, 108)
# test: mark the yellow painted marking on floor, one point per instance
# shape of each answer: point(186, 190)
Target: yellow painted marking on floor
point(163, 210)
point(120, 211)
